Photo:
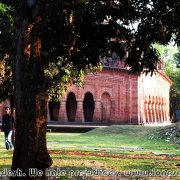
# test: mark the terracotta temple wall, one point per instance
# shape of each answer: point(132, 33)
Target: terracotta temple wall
point(114, 94)
point(116, 97)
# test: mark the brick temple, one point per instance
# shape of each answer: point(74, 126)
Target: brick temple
point(114, 96)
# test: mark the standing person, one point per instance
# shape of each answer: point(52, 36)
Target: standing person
point(8, 128)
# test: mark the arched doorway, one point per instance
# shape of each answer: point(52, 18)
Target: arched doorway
point(54, 110)
point(88, 107)
point(106, 107)
point(71, 107)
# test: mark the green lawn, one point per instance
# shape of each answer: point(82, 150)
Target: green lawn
point(116, 139)
point(115, 148)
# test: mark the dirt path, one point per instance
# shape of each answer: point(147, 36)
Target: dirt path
point(157, 157)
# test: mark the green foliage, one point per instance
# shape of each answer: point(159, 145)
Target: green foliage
point(166, 52)
point(98, 28)
point(171, 57)
point(173, 71)
point(174, 74)
point(177, 58)
point(75, 34)
point(6, 31)
point(59, 78)
point(7, 52)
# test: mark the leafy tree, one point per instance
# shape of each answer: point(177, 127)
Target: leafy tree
point(170, 55)
point(58, 41)
point(173, 71)
point(7, 53)
point(166, 52)
point(177, 59)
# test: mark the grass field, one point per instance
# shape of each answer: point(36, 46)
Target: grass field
point(113, 149)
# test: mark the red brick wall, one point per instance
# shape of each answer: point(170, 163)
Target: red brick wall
point(122, 98)
point(154, 98)
point(115, 97)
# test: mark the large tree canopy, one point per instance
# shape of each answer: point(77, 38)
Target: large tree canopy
point(79, 32)
point(58, 41)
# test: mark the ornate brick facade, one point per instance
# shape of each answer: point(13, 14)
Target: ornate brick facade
point(114, 96)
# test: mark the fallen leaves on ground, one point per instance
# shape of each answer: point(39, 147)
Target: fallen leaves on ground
point(125, 156)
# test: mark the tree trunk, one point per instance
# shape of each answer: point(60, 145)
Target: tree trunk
point(30, 103)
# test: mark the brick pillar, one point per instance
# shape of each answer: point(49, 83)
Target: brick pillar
point(97, 111)
point(79, 112)
point(162, 111)
point(165, 112)
point(153, 113)
point(62, 112)
point(149, 112)
point(159, 112)
point(145, 115)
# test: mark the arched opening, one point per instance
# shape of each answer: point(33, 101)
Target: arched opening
point(71, 107)
point(54, 110)
point(106, 107)
point(88, 107)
